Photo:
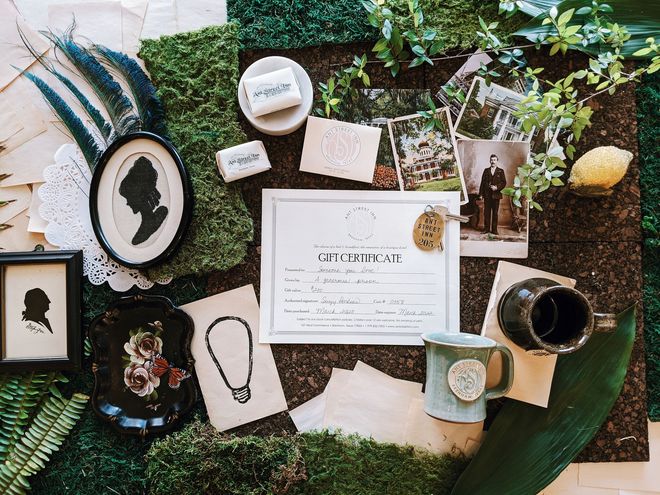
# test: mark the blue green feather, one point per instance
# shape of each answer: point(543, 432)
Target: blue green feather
point(149, 107)
point(111, 94)
point(79, 132)
point(104, 128)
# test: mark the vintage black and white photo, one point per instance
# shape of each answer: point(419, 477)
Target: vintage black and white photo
point(39, 303)
point(496, 227)
point(488, 113)
point(426, 160)
point(146, 186)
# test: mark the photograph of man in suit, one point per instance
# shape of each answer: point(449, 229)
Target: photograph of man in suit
point(492, 183)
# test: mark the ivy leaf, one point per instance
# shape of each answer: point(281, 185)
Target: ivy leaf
point(419, 50)
point(565, 17)
point(416, 62)
point(387, 29)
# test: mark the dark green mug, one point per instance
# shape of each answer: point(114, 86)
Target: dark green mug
point(544, 317)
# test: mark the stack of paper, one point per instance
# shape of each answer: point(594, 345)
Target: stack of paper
point(373, 404)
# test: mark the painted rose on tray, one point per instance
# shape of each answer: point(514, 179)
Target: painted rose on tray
point(140, 381)
point(144, 345)
point(144, 364)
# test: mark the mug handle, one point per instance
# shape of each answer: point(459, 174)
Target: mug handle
point(506, 382)
point(605, 322)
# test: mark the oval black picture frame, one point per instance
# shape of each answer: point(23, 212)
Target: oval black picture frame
point(188, 200)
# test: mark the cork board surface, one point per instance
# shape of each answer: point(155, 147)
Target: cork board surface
point(597, 242)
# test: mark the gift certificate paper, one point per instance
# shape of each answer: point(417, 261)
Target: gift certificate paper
point(342, 267)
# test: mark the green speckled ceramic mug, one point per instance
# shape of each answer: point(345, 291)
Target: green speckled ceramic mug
point(456, 366)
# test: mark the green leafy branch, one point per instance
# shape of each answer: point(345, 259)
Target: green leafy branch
point(395, 47)
point(340, 87)
point(431, 115)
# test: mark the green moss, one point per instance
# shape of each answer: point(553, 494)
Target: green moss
point(197, 75)
point(300, 23)
point(199, 460)
point(648, 116)
point(359, 466)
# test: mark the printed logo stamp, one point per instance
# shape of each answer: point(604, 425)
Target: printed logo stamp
point(467, 379)
point(341, 145)
point(360, 223)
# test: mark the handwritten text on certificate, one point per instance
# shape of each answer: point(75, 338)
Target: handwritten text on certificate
point(342, 267)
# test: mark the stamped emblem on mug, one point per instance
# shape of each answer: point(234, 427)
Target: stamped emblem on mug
point(467, 379)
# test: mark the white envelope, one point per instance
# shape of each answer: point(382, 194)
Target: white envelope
point(340, 149)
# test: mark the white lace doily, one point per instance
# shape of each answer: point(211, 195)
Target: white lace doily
point(65, 206)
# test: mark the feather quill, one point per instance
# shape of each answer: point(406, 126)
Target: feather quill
point(79, 132)
point(150, 109)
point(103, 126)
point(117, 103)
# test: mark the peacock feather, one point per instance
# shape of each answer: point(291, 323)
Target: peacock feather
point(103, 126)
point(79, 132)
point(118, 104)
point(148, 105)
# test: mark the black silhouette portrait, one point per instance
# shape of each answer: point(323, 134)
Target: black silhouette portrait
point(37, 305)
point(139, 189)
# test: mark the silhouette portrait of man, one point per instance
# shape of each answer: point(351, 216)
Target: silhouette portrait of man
point(37, 305)
point(139, 189)
point(492, 183)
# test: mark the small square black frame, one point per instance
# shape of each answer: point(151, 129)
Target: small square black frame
point(73, 263)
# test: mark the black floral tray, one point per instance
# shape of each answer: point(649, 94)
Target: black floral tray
point(142, 364)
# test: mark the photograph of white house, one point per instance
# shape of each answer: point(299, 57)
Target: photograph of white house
point(488, 113)
point(426, 160)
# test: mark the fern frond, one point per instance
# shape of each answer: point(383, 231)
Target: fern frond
point(47, 432)
point(79, 132)
point(113, 97)
point(152, 114)
point(104, 127)
point(17, 402)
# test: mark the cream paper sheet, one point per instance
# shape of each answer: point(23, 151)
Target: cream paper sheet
point(21, 200)
point(98, 22)
point(309, 415)
point(132, 19)
point(437, 436)
point(21, 118)
point(533, 374)
point(159, 19)
point(371, 404)
point(36, 224)
point(228, 341)
point(197, 14)
point(27, 162)
point(17, 238)
point(12, 49)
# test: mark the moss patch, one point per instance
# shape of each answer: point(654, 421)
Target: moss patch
point(197, 75)
point(200, 460)
point(648, 116)
point(278, 24)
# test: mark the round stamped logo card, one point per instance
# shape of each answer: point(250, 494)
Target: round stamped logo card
point(467, 379)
